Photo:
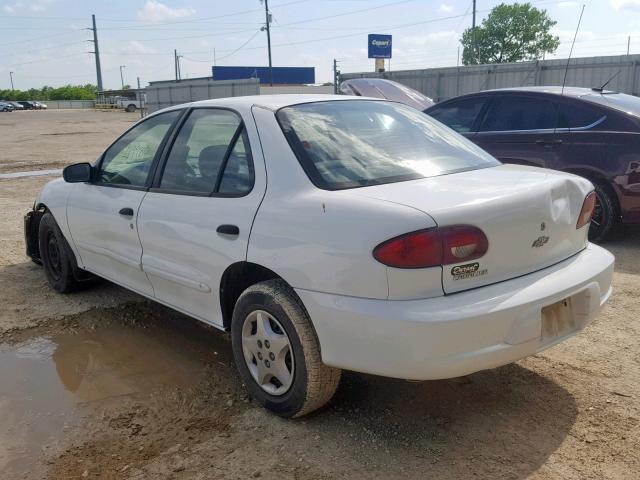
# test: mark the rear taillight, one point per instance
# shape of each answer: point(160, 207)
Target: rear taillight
point(588, 206)
point(432, 247)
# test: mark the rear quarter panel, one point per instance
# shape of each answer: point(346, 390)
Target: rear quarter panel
point(323, 240)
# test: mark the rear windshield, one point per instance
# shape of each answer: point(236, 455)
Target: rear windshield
point(620, 101)
point(348, 144)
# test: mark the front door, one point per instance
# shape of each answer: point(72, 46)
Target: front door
point(520, 129)
point(196, 219)
point(103, 214)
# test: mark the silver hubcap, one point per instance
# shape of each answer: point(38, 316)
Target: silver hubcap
point(267, 352)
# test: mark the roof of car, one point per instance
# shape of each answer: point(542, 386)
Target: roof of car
point(272, 102)
point(555, 90)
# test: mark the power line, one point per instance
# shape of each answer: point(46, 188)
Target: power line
point(241, 46)
point(42, 37)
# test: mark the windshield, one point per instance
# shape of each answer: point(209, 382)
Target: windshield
point(347, 144)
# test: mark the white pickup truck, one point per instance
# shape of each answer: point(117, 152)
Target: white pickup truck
point(131, 104)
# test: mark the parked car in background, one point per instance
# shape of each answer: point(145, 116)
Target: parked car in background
point(17, 105)
point(383, 242)
point(589, 132)
point(28, 105)
point(387, 89)
point(40, 105)
point(6, 107)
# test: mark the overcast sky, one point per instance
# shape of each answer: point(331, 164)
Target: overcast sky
point(44, 41)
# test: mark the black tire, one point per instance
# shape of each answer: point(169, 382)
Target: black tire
point(605, 214)
point(314, 383)
point(131, 108)
point(56, 256)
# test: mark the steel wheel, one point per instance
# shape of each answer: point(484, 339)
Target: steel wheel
point(267, 352)
point(55, 258)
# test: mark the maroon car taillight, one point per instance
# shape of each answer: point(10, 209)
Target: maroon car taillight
point(433, 247)
point(588, 207)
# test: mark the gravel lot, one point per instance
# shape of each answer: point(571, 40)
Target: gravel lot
point(103, 384)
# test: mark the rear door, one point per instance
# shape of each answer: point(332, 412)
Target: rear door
point(520, 129)
point(196, 219)
point(103, 214)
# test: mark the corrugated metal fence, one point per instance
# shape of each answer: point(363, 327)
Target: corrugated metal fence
point(166, 93)
point(63, 104)
point(443, 83)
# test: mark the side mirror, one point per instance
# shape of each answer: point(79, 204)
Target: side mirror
point(77, 173)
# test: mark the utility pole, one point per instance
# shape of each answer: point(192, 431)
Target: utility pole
point(96, 52)
point(176, 59)
point(628, 44)
point(11, 77)
point(336, 74)
point(122, 76)
point(268, 29)
point(141, 99)
point(473, 27)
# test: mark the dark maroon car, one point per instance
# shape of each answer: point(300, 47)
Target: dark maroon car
point(592, 133)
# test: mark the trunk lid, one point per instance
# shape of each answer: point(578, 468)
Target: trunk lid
point(528, 214)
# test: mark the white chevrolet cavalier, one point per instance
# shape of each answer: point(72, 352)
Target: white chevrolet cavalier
point(329, 233)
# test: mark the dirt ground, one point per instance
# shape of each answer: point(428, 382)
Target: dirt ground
point(104, 384)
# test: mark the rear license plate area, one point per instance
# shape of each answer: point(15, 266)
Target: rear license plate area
point(557, 320)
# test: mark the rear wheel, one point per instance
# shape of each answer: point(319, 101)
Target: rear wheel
point(131, 108)
point(604, 215)
point(56, 254)
point(277, 352)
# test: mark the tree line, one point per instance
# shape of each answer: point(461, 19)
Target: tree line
point(68, 92)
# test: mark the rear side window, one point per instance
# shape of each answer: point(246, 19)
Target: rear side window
point(210, 154)
point(355, 143)
point(577, 115)
point(513, 113)
point(459, 114)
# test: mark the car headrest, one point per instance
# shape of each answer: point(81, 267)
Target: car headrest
point(210, 160)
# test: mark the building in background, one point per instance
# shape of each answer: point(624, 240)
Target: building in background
point(281, 75)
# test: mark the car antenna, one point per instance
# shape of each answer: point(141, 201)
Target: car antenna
point(571, 51)
point(600, 89)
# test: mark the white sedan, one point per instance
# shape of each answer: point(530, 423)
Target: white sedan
point(329, 233)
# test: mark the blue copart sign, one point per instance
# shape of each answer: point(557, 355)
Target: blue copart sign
point(379, 46)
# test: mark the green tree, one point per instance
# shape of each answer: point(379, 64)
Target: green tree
point(510, 33)
point(67, 92)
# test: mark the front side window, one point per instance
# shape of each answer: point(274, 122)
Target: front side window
point(512, 113)
point(459, 114)
point(352, 143)
point(127, 162)
point(210, 154)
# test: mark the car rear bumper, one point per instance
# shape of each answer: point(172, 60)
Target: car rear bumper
point(462, 333)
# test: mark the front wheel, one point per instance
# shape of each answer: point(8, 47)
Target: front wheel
point(131, 108)
point(56, 256)
point(277, 352)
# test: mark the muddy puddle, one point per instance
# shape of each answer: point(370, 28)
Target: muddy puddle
point(52, 384)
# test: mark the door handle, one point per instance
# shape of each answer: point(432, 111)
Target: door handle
point(549, 143)
point(127, 212)
point(228, 230)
